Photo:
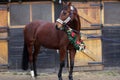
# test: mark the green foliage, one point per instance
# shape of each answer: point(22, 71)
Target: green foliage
point(73, 39)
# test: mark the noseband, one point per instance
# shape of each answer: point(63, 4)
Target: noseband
point(64, 23)
point(66, 20)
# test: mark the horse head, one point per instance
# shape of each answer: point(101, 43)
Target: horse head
point(69, 16)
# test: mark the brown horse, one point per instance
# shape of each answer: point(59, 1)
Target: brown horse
point(42, 33)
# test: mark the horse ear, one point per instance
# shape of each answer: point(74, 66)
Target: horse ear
point(63, 3)
point(69, 3)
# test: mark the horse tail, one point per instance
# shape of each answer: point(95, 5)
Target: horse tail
point(25, 57)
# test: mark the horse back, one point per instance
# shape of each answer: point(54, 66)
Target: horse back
point(45, 34)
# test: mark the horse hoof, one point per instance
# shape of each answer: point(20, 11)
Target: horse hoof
point(33, 78)
point(60, 78)
point(70, 78)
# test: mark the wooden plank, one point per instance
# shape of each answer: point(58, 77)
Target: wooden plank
point(86, 17)
point(3, 29)
point(3, 52)
point(89, 13)
point(53, 13)
point(89, 55)
point(3, 17)
point(3, 35)
point(4, 39)
point(88, 68)
point(85, 5)
point(111, 24)
point(93, 55)
point(3, 7)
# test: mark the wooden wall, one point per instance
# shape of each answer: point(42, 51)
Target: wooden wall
point(32, 11)
point(110, 34)
point(3, 35)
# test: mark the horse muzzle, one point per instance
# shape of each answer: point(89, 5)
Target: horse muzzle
point(58, 25)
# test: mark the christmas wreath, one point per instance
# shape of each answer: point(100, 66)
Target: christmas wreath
point(78, 45)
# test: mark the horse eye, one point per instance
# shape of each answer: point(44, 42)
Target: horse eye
point(64, 13)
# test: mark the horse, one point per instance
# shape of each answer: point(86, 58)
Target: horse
point(43, 33)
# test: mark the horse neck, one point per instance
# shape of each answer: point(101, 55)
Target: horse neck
point(75, 24)
point(78, 23)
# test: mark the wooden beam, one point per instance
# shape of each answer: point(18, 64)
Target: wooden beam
point(89, 54)
point(53, 11)
point(86, 17)
point(4, 39)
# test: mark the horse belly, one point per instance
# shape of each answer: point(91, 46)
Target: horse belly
point(48, 38)
point(49, 42)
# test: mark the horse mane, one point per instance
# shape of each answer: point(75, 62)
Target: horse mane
point(78, 20)
point(79, 24)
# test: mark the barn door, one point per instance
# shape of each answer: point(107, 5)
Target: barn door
point(91, 58)
point(3, 35)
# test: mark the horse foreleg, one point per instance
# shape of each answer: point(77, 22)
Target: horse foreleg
point(71, 70)
point(72, 56)
point(62, 62)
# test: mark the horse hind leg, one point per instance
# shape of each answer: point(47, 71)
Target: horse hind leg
point(30, 50)
point(30, 55)
point(33, 65)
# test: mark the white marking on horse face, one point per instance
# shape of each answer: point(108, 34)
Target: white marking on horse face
point(71, 7)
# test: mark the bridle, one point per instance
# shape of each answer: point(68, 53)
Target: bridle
point(65, 21)
point(69, 31)
point(68, 19)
